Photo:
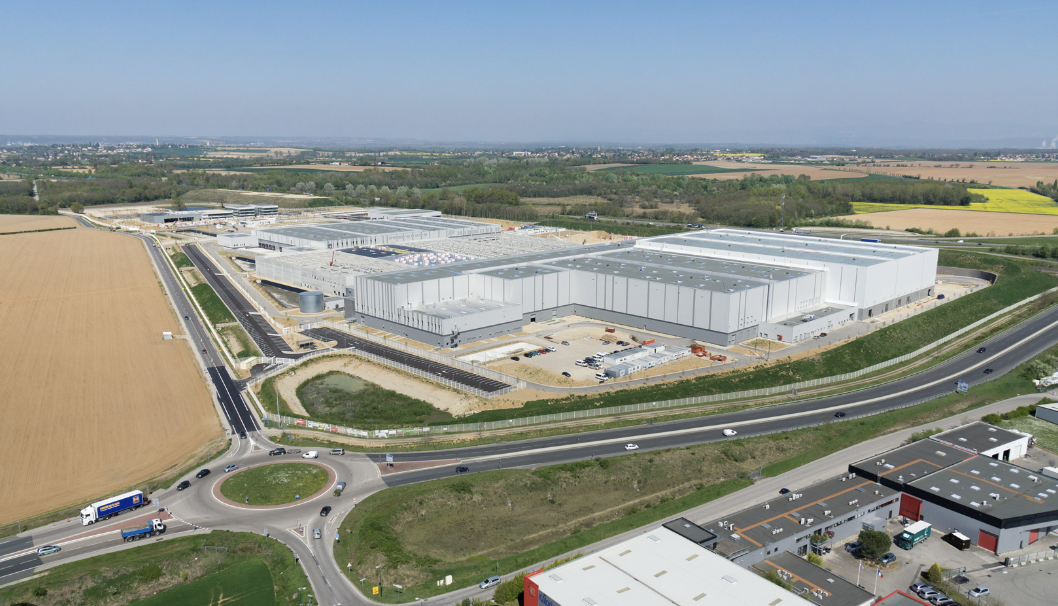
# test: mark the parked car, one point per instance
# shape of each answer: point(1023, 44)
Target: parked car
point(730, 432)
point(515, 358)
point(183, 485)
point(326, 510)
point(631, 446)
point(854, 548)
point(822, 334)
point(606, 342)
point(979, 591)
point(277, 451)
point(489, 582)
point(980, 350)
point(927, 594)
point(48, 549)
point(312, 454)
point(917, 587)
point(941, 600)
point(462, 469)
point(566, 374)
point(201, 474)
point(565, 343)
point(840, 415)
point(231, 467)
point(887, 559)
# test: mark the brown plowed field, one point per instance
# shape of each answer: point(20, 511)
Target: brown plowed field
point(1006, 174)
point(982, 223)
point(15, 223)
point(93, 400)
point(816, 173)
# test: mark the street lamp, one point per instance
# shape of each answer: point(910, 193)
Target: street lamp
point(999, 597)
point(379, 569)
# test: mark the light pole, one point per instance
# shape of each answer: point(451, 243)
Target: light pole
point(999, 596)
point(379, 569)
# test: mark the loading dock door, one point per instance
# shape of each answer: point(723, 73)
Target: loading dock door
point(1034, 535)
point(988, 541)
point(910, 507)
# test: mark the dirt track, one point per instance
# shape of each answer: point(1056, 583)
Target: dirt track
point(94, 400)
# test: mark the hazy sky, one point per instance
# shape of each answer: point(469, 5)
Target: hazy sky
point(883, 73)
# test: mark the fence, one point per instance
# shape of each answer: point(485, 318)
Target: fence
point(1030, 558)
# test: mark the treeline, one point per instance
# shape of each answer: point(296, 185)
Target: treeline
point(16, 198)
point(103, 190)
point(1046, 189)
point(1039, 251)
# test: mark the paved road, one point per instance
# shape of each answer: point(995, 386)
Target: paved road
point(451, 373)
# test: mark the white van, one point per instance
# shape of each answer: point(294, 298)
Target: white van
point(337, 451)
point(581, 363)
point(312, 454)
point(602, 376)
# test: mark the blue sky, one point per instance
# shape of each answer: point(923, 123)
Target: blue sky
point(859, 73)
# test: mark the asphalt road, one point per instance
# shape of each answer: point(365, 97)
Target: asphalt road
point(441, 370)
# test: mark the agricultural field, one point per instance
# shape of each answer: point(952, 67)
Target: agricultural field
point(86, 306)
point(675, 170)
point(10, 224)
point(941, 219)
point(738, 170)
point(344, 168)
point(999, 201)
point(1002, 174)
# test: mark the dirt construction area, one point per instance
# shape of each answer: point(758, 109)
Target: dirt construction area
point(983, 223)
point(94, 399)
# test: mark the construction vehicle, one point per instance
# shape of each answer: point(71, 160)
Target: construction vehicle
point(718, 358)
point(149, 529)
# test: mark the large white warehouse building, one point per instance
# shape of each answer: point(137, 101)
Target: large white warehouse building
point(722, 286)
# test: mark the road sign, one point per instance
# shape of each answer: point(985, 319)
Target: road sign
point(374, 590)
point(389, 458)
point(962, 386)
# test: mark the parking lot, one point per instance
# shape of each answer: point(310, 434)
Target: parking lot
point(1032, 585)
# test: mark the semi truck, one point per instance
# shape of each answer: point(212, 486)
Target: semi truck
point(913, 535)
point(148, 529)
point(101, 510)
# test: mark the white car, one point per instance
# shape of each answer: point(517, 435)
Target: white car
point(312, 454)
point(631, 446)
point(730, 432)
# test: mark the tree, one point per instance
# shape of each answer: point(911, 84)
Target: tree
point(952, 233)
point(874, 544)
point(509, 591)
point(934, 574)
point(177, 203)
point(77, 207)
point(328, 190)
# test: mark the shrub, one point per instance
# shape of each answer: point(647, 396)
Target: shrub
point(462, 487)
point(40, 592)
point(925, 433)
point(952, 233)
point(874, 543)
point(934, 575)
point(510, 591)
point(149, 572)
point(815, 559)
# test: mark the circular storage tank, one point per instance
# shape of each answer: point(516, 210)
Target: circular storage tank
point(311, 302)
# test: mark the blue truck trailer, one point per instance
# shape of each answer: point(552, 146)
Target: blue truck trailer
point(147, 529)
point(101, 510)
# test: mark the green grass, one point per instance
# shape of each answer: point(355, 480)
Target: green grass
point(274, 484)
point(245, 584)
point(179, 571)
point(1046, 432)
point(674, 170)
point(328, 398)
point(614, 227)
point(181, 260)
point(216, 311)
point(247, 348)
point(1016, 282)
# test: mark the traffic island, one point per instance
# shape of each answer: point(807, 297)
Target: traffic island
point(275, 485)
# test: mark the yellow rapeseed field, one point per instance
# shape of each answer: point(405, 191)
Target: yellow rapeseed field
point(999, 201)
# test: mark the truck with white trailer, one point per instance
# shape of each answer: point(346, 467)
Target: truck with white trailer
point(101, 510)
point(147, 529)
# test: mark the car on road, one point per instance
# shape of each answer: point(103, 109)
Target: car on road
point(183, 485)
point(186, 318)
point(202, 473)
point(277, 451)
point(489, 582)
point(312, 454)
point(326, 510)
point(730, 432)
point(887, 559)
point(941, 600)
point(988, 371)
point(316, 533)
point(242, 435)
point(231, 467)
point(840, 415)
point(48, 550)
point(337, 451)
point(980, 350)
point(854, 548)
point(462, 469)
point(979, 591)
point(784, 491)
point(631, 446)
point(203, 351)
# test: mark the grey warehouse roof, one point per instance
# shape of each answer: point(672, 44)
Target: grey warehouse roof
point(993, 487)
point(978, 436)
point(808, 579)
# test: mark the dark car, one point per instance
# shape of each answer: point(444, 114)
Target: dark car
point(242, 435)
point(854, 547)
point(277, 451)
point(784, 491)
point(988, 371)
point(888, 558)
point(980, 350)
point(462, 469)
point(566, 374)
point(822, 334)
point(840, 415)
point(515, 358)
point(202, 474)
point(186, 318)
point(183, 485)
point(326, 510)
point(203, 351)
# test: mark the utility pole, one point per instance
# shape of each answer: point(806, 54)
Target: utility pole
point(782, 213)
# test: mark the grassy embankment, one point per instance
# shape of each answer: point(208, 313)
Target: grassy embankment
point(1016, 282)
point(274, 484)
point(236, 335)
point(254, 571)
point(216, 311)
point(181, 261)
point(158, 483)
point(339, 398)
point(520, 517)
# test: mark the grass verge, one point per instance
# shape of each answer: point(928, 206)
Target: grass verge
point(216, 311)
point(274, 484)
point(240, 343)
point(342, 399)
point(1046, 433)
point(123, 577)
point(181, 261)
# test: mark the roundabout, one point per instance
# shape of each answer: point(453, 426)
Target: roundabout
point(275, 485)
